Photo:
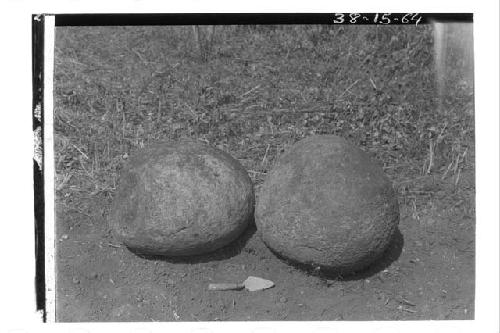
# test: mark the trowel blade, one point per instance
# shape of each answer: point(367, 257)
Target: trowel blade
point(253, 283)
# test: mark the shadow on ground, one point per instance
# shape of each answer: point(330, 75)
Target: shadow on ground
point(390, 255)
point(232, 249)
point(236, 247)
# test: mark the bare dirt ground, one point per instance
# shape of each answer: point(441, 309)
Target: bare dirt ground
point(260, 90)
point(428, 273)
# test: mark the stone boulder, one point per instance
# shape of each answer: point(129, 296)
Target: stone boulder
point(181, 198)
point(325, 203)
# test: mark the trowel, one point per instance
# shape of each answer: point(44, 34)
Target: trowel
point(252, 283)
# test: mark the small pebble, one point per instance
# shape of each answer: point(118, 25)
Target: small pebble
point(283, 299)
point(75, 280)
point(65, 236)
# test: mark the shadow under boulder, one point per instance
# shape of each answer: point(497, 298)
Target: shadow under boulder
point(392, 253)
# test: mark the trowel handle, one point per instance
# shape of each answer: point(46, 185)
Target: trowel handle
point(226, 286)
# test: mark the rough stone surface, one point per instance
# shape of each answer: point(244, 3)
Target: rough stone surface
point(181, 198)
point(326, 203)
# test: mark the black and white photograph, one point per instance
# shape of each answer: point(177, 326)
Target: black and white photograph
point(251, 167)
point(266, 171)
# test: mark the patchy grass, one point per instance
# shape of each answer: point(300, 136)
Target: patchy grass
point(260, 89)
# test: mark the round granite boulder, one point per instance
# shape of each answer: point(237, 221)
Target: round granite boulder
point(326, 203)
point(181, 198)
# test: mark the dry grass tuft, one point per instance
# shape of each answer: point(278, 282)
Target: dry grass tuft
point(255, 91)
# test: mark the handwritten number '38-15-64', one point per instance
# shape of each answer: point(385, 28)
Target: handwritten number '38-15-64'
point(340, 18)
